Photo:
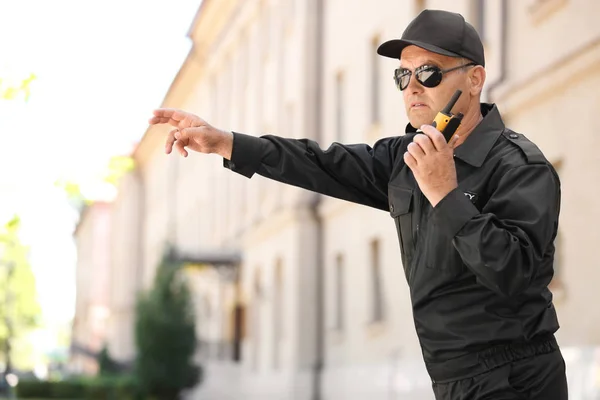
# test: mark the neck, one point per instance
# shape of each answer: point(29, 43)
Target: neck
point(471, 119)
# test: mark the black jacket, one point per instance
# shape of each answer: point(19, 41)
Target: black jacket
point(478, 264)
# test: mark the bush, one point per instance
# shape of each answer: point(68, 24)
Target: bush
point(104, 388)
point(68, 389)
point(107, 366)
point(165, 335)
point(72, 389)
point(27, 389)
point(113, 387)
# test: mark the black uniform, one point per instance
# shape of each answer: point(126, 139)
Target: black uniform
point(478, 264)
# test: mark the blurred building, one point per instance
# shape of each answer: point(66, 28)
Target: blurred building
point(92, 238)
point(297, 294)
point(125, 278)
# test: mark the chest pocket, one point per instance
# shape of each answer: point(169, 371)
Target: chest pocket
point(440, 253)
point(401, 209)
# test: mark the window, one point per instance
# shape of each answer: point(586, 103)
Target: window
point(290, 122)
point(339, 107)
point(375, 81)
point(242, 71)
point(290, 9)
point(239, 331)
point(207, 307)
point(266, 29)
point(256, 318)
point(478, 16)
point(214, 96)
point(278, 307)
point(377, 310)
point(558, 246)
point(557, 282)
point(339, 293)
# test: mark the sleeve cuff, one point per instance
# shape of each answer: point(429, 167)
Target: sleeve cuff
point(246, 154)
point(453, 212)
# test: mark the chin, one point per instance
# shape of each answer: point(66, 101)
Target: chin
point(418, 122)
point(419, 119)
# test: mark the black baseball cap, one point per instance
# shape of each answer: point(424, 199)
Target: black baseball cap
point(441, 32)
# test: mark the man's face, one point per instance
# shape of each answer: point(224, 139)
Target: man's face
point(422, 103)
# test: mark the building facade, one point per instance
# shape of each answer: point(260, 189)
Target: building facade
point(92, 301)
point(300, 296)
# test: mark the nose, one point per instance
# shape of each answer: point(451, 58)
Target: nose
point(413, 90)
point(414, 87)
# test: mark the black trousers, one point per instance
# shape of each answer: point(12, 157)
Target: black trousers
point(541, 377)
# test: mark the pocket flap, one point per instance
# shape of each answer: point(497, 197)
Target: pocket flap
point(400, 200)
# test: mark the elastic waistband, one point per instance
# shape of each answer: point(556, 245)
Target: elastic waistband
point(474, 364)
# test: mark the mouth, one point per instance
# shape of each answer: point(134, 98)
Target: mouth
point(417, 105)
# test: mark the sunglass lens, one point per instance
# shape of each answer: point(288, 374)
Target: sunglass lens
point(404, 80)
point(430, 77)
point(401, 78)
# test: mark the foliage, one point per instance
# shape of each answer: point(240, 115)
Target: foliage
point(98, 388)
point(107, 366)
point(166, 336)
point(12, 90)
point(116, 168)
point(20, 311)
point(72, 191)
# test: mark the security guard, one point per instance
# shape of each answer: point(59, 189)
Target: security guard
point(476, 216)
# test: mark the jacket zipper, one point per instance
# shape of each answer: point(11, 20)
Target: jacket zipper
point(416, 240)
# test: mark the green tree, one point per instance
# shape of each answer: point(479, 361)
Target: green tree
point(11, 90)
point(19, 308)
point(116, 168)
point(166, 336)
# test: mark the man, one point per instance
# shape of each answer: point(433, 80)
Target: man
point(476, 216)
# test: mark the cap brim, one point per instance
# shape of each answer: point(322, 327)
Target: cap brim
point(393, 48)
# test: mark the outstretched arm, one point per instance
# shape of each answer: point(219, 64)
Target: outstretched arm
point(357, 173)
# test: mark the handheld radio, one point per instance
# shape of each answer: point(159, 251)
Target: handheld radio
point(445, 121)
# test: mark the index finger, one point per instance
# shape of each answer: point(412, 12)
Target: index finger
point(438, 139)
point(170, 141)
point(167, 115)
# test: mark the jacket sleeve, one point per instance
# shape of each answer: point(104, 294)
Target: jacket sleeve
point(504, 244)
point(356, 173)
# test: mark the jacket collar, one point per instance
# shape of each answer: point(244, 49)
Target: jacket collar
point(480, 141)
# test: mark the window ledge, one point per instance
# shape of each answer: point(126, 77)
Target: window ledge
point(540, 10)
point(376, 329)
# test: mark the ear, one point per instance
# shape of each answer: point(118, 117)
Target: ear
point(477, 79)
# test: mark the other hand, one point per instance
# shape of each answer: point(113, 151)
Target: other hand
point(431, 159)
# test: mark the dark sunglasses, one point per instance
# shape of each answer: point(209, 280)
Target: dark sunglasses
point(427, 75)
